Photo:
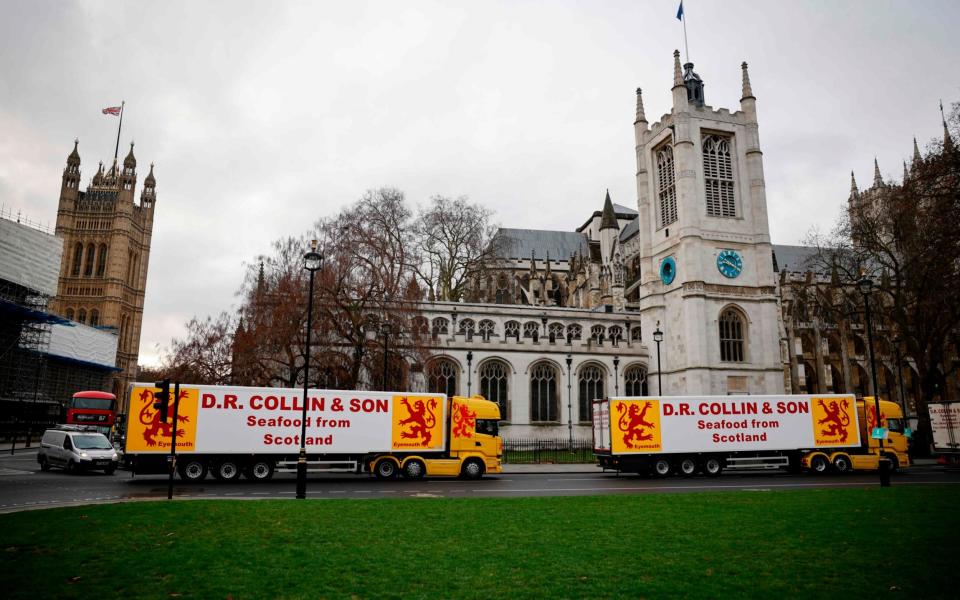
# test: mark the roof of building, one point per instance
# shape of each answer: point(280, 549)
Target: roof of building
point(793, 258)
point(522, 243)
point(632, 228)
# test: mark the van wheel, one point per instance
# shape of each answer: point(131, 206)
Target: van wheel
point(44, 465)
point(841, 463)
point(385, 468)
point(712, 467)
point(819, 464)
point(109, 470)
point(472, 469)
point(71, 467)
point(260, 470)
point(192, 470)
point(227, 470)
point(661, 467)
point(688, 467)
point(414, 469)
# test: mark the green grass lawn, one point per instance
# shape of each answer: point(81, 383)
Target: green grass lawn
point(850, 543)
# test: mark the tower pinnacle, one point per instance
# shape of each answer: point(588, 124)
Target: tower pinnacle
point(854, 190)
point(916, 151)
point(747, 91)
point(609, 218)
point(877, 178)
point(677, 73)
point(641, 117)
point(947, 140)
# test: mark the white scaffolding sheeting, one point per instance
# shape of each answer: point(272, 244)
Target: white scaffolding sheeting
point(84, 343)
point(29, 257)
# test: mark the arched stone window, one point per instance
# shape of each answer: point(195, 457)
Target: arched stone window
point(82, 315)
point(591, 380)
point(443, 377)
point(440, 326)
point(495, 385)
point(635, 381)
point(718, 176)
point(69, 314)
point(666, 192)
point(597, 333)
point(574, 331)
point(531, 329)
point(77, 259)
point(636, 333)
point(616, 334)
point(88, 262)
point(731, 336)
point(102, 260)
point(467, 327)
point(511, 329)
point(556, 331)
point(488, 329)
point(544, 404)
point(421, 326)
point(94, 318)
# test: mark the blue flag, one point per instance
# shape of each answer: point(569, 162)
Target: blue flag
point(680, 11)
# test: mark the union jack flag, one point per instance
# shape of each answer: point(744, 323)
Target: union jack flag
point(112, 110)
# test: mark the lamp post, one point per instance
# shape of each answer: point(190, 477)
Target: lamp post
point(569, 401)
point(866, 288)
point(469, 372)
point(312, 262)
point(616, 376)
point(658, 337)
point(385, 330)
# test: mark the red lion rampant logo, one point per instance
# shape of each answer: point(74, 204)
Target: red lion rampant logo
point(464, 421)
point(151, 418)
point(836, 421)
point(633, 425)
point(422, 419)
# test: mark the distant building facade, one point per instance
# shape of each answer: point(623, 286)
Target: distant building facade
point(106, 239)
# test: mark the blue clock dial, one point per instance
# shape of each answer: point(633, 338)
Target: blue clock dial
point(729, 263)
point(668, 270)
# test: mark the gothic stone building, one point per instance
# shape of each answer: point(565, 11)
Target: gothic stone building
point(106, 239)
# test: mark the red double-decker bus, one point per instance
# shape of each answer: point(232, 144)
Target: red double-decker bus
point(98, 409)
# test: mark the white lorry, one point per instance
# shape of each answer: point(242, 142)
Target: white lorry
point(945, 426)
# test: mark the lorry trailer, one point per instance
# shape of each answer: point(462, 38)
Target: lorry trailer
point(709, 434)
point(230, 431)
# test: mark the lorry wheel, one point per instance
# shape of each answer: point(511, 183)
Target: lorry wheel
point(414, 469)
point(385, 468)
point(819, 464)
point(688, 467)
point(260, 470)
point(841, 463)
point(472, 469)
point(712, 467)
point(227, 470)
point(661, 467)
point(192, 470)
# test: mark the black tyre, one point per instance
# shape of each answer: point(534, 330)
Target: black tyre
point(259, 470)
point(661, 467)
point(44, 464)
point(227, 470)
point(72, 468)
point(687, 467)
point(842, 463)
point(472, 469)
point(894, 463)
point(192, 470)
point(712, 467)
point(819, 464)
point(385, 468)
point(414, 469)
point(110, 470)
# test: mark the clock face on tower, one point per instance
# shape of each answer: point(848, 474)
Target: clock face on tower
point(668, 270)
point(729, 263)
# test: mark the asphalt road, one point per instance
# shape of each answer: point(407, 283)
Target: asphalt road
point(23, 486)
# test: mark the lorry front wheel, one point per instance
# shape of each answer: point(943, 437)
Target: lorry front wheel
point(260, 470)
point(192, 470)
point(472, 469)
point(712, 467)
point(414, 469)
point(385, 469)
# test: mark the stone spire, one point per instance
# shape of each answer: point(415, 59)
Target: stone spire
point(130, 162)
point(74, 158)
point(641, 117)
point(609, 218)
point(547, 272)
point(747, 91)
point(916, 151)
point(677, 73)
point(906, 173)
point(150, 181)
point(947, 140)
point(877, 178)
point(854, 190)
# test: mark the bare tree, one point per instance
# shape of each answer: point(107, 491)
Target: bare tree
point(454, 242)
point(204, 355)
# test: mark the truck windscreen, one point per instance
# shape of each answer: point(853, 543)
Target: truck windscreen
point(487, 426)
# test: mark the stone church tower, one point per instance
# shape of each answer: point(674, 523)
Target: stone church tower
point(705, 253)
point(106, 249)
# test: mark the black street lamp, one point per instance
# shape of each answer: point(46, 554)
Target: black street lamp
point(312, 262)
point(469, 372)
point(569, 400)
point(616, 376)
point(658, 337)
point(385, 330)
point(866, 288)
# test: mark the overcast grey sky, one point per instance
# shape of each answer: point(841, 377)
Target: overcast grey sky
point(263, 116)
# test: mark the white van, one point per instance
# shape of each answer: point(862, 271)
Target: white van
point(75, 449)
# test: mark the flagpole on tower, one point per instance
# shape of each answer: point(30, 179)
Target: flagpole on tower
point(682, 15)
point(116, 150)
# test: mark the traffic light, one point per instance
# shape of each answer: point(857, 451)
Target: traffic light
point(162, 398)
